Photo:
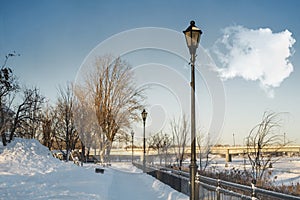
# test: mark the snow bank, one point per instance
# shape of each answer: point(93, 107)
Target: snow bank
point(27, 157)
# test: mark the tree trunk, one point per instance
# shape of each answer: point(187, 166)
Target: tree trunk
point(180, 163)
point(101, 155)
point(82, 153)
point(4, 142)
point(68, 155)
point(160, 157)
point(107, 155)
point(3, 125)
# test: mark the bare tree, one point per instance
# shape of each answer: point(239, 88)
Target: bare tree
point(48, 130)
point(166, 145)
point(263, 135)
point(65, 121)
point(27, 117)
point(161, 143)
point(85, 120)
point(116, 98)
point(8, 85)
point(180, 130)
point(123, 138)
point(204, 146)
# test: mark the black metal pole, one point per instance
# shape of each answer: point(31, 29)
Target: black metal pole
point(132, 148)
point(193, 165)
point(144, 146)
point(233, 140)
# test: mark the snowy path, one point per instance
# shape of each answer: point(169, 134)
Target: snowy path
point(128, 185)
point(129, 182)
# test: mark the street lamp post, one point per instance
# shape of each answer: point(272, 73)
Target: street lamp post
point(233, 139)
point(192, 36)
point(132, 135)
point(144, 116)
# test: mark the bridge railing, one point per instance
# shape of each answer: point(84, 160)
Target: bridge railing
point(213, 189)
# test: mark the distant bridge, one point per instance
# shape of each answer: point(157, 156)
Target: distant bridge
point(227, 151)
point(240, 150)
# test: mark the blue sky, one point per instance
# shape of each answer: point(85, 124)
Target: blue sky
point(54, 38)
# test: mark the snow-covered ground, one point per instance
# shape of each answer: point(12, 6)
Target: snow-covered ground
point(28, 171)
point(286, 170)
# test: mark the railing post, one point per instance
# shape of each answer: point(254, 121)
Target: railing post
point(197, 185)
point(253, 195)
point(218, 188)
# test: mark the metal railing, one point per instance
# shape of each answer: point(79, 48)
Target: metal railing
point(213, 189)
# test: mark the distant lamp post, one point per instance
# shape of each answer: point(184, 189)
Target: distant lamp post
point(132, 135)
point(233, 139)
point(144, 116)
point(192, 35)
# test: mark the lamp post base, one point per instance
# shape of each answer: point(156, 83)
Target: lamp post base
point(193, 190)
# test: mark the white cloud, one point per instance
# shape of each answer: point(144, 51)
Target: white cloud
point(257, 55)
